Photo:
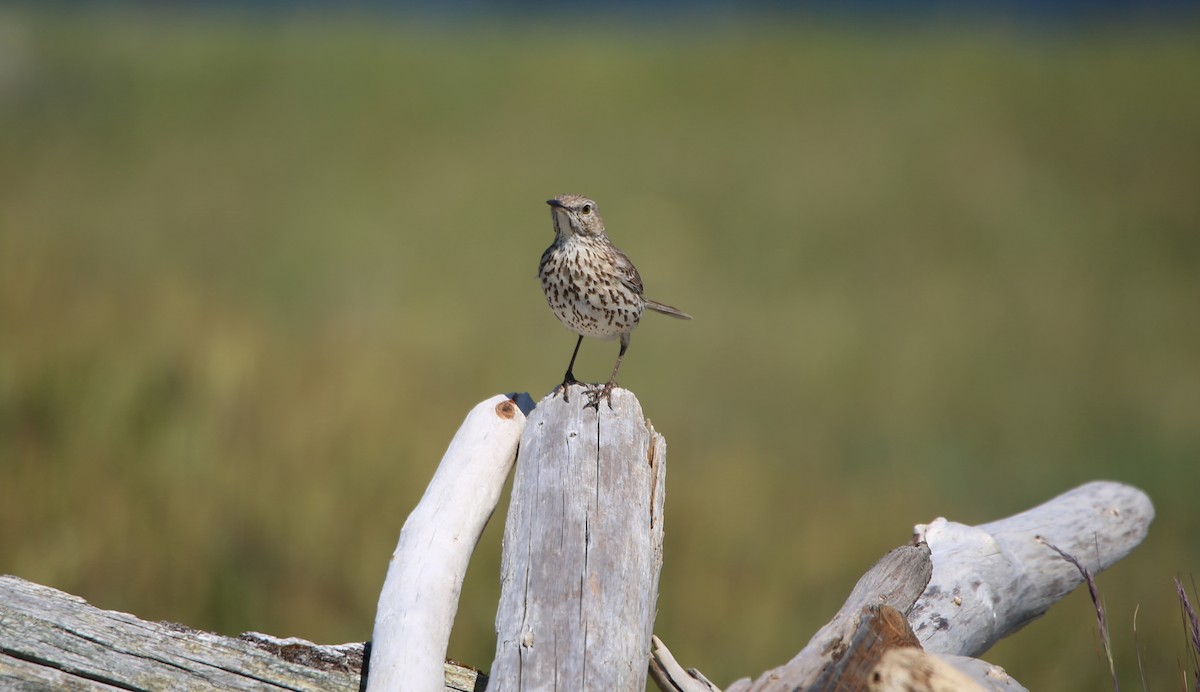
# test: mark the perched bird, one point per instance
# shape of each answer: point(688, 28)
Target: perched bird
point(591, 286)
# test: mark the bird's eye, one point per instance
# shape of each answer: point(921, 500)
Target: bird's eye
point(587, 209)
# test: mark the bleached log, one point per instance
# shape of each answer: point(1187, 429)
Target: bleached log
point(424, 579)
point(990, 580)
point(986, 583)
point(582, 549)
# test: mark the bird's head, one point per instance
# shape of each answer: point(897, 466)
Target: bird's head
point(576, 215)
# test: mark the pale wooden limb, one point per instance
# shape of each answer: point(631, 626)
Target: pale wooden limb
point(424, 579)
point(990, 580)
point(582, 549)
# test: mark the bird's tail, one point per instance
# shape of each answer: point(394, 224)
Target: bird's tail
point(667, 310)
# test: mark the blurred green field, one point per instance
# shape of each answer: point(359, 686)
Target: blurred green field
point(253, 273)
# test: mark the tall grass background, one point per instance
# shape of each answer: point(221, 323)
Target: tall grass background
point(254, 271)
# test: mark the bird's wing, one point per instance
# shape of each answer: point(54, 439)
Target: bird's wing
point(627, 273)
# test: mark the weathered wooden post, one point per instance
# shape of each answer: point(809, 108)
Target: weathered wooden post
point(582, 549)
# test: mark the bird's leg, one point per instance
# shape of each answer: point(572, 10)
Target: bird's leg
point(569, 378)
point(605, 392)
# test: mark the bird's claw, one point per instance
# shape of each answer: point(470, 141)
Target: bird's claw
point(594, 395)
point(566, 386)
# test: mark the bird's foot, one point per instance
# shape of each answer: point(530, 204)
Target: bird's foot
point(565, 387)
point(595, 394)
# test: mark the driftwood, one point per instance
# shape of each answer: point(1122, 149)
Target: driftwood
point(963, 588)
point(582, 549)
point(582, 554)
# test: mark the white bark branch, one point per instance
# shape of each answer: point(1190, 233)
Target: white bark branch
point(424, 579)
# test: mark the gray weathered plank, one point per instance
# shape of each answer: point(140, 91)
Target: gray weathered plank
point(98, 649)
point(51, 640)
point(582, 549)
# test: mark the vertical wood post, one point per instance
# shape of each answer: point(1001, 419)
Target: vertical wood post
point(582, 549)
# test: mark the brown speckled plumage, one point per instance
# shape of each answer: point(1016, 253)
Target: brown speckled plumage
point(591, 286)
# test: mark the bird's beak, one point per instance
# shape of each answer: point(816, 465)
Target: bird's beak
point(555, 203)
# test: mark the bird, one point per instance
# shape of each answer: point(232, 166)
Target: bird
point(591, 286)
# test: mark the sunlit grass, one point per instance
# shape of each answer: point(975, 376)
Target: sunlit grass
point(253, 273)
